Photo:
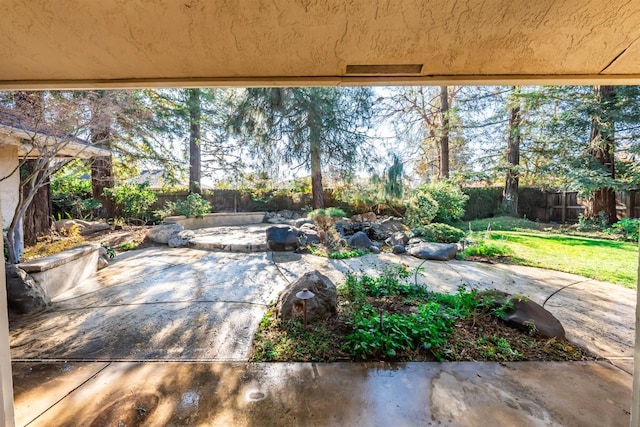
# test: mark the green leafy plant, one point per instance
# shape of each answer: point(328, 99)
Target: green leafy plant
point(380, 333)
point(451, 201)
point(133, 199)
point(440, 202)
point(71, 192)
point(421, 209)
point(352, 253)
point(627, 228)
point(128, 246)
point(111, 253)
point(438, 232)
point(340, 254)
point(194, 206)
point(599, 223)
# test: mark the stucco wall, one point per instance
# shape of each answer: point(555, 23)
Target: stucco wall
point(8, 187)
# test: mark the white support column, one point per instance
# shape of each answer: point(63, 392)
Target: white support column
point(6, 379)
point(635, 396)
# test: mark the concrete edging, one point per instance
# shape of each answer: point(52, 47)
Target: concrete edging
point(217, 219)
point(62, 271)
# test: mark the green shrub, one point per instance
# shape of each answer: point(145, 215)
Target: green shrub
point(421, 209)
point(451, 201)
point(71, 195)
point(598, 223)
point(438, 232)
point(627, 228)
point(194, 206)
point(134, 199)
point(440, 202)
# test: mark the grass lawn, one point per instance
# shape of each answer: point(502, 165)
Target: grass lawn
point(606, 260)
point(578, 253)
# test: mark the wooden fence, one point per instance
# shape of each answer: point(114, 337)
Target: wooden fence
point(566, 206)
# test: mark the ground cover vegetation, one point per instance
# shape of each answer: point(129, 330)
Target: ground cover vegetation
point(564, 248)
point(389, 317)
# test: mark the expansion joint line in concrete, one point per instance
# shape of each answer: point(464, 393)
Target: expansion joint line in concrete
point(564, 287)
point(279, 270)
point(66, 395)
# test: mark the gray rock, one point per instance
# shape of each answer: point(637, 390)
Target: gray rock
point(526, 313)
point(102, 262)
point(276, 220)
point(434, 251)
point(392, 225)
point(397, 238)
point(103, 258)
point(374, 249)
point(310, 237)
point(161, 233)
point(181, 239)
point(415, 241)
point(283, 238)
point(399, 249)
point(308, 226)
point(322, 305)
point(24, 295)
point(95, 227)
point(286, 214)
point(300, 222)
point(360, 241)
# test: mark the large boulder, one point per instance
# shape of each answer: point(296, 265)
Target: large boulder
point(392, 225)
point(322, 305)
point(397, 238)
point(434, 251)
point(527, 315)
point(24, 295)
point(283, 238)
point(309, 237)
point(161, 233)
point(181, 239)
point(360, 241)
point(95, 227)
point(399, 249)
point(300, 222)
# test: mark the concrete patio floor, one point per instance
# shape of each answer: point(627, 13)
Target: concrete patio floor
point(162, 336)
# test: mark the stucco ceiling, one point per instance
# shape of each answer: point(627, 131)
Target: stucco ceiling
point(81, 43)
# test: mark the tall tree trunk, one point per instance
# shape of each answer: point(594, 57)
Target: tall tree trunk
point(602, 149)
point(37, 219)
point(444, 135)
point(316, 172)
point(195, 162)
point(510, 192)
point(101, 167)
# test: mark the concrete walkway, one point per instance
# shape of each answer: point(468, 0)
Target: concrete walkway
point(87, 360)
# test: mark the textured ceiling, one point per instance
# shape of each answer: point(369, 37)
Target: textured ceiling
point(78, 43)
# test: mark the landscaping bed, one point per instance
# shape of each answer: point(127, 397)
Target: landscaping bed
point(389, 318)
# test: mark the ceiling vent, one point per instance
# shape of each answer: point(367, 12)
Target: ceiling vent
point(390, 69)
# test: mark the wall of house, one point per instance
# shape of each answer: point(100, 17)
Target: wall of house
point(8, 187)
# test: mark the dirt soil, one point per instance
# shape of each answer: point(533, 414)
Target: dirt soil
point(137, 235)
